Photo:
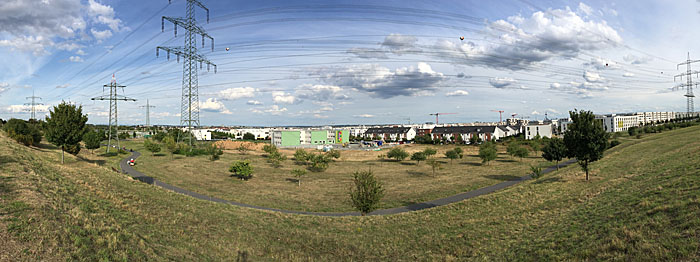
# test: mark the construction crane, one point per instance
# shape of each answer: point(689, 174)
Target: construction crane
point(438, 114)
point(513, 115)
point(500, 115)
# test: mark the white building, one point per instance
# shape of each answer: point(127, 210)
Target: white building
point(259, 133)
point(542, 130)
point(201, 134)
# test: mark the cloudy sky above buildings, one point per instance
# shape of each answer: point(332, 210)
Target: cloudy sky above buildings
point(351, 62)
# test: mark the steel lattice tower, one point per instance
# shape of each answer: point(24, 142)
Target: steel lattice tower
point(113, 98)
point(33, 104)
point(148, 113)
point(688, 82)
point(189, 111)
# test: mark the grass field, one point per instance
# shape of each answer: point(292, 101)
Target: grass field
point(405, 182)
point(642, 204)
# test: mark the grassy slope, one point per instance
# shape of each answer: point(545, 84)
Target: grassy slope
point(642, 204)
point(405, 182)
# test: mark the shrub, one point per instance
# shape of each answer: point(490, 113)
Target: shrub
point(243, 148)
point(639, 136)
point(242, 169)
point(536, 172)
point(366, 192)
point(151, 146)
point(554, 150)
point(214, 152)
point(614, 143)
point(248, 136)
point(269, 148)
point(333, 153)
point(92, 140)
point(459, 151)
point(397, 153)
point(474, 140)
point(632, 131)
point(22, 132)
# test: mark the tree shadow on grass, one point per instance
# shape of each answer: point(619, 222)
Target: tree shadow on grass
point(549, 180)
point(503, 177)
point(91, 161)
point(292, 180)
point(408, 163)
point(5, 187)
point(159, 154)
point(416, 173)
point(471, 163)
point(506, 160)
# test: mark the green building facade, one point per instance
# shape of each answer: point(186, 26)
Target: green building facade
point(291, 138)
point(319, 137)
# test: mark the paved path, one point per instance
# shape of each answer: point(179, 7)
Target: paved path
point(413, 207)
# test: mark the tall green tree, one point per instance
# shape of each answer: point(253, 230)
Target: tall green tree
point(65, 127)
point(366, 192)
point(397, 153)
point(151, 146)
point(586, 139)
point(554, 150)
point(487, 152)
point(419, 156)
point(92, 140)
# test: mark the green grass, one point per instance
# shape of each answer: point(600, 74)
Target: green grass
point(642, 204)
point(406, 182)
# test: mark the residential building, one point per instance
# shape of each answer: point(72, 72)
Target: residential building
point(484, 133)
point(542, 130)
point(391, 133)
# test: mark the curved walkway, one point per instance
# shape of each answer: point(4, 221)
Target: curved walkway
point(413, 207)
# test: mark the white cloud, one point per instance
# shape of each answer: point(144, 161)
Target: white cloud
point(628, 74)
point(320, 116)
point(636, 60)
point(4, 87)
point(602, 64)
point(364, 116)
point(101, 35)
point(211, 105)
point(534, 113)
point(25, 108)
point(593, 77)
point(272, 110)
point(398, 44)
point(321, 92)
point(80, 52)
point(583, 8)
point(502, 82)
point(76, 59)
point(104, 14)
point(237, 93)
point(553, 111)
point(420, 80)
point(280, 97)
point(458, 93)
point(254, 102)
point(63, 86)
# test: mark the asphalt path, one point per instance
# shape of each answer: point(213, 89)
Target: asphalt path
point(129, 170)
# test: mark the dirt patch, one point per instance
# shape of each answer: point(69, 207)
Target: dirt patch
point(233, 145)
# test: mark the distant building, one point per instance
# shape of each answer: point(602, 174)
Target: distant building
point(305, 137)
point(534, 130)
point(391, 133)
point(485, 133)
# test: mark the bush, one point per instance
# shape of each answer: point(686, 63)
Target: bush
point(335, 154)
point(242, 169)
point(92, 140)
point(397, 154)
point(639, 136)
point(632, 131)
point(248, 136)
point(474, 140)
point(22, 132)
point(243, 148)
point(214, 152)
point(614, 143)
point(366, 192)
point(536, 172)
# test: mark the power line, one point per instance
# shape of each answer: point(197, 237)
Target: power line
point(689, 82)
point(148, 113)
point(113, 98)
point(33, 104)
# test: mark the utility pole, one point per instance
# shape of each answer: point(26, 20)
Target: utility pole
point(33, 104)
point(148, 114)
point(113, 98)
point(189, 112)
point(688, 83)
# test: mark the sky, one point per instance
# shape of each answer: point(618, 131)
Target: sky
point(350, 62)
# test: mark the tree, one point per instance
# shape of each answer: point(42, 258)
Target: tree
point(22, 132)
point(242, 169)
point(424, 139)
point(536, 145)
point(459, 151)
point(243, 148)
point(151, 146)
point(458, 139)
point(434, 164)
point(512, 149)
point(335, 154)
point(298, 173)
point(269, 148)
point(248, 136)
point(275, 158)
point(301, 156)
point(418, 156)
point(586, 139)
point(397, 153)
point(632, 131)
point(159, 136)
point(474, 140)
point(133, 134)
point(487, 152)
point(214, 152)
point(92, 140)
point(366, 192)
point(554, 150)
point(170, 145)
point(429, 152)
point(123, 136)
point(319, 162)
point(65, 127)
point(452, 155)
point(536, 171)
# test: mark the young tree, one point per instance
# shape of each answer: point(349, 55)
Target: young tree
point(151, 146)
point(452, 155)
point(170, 145)
point(214, 152)
point(512, 149)
point(554, 150)
point(319, 162)
point(242, 169)
point(243, 148)
point(536, 171)
point(536, 145)
point(133, 134)
point(301, 156)
point(397, 153)
point(366, 192)
point(65, 127)
point(586, 139)
point(429, 152)
point(487, 152)
point(632, 131)
point(92, 140)
point(269, 148)
point(433, 163)
point(276, 158)
point(298, 173)
point(474, 140)
point(123, 136)
point(418, 156)
point(335, 154)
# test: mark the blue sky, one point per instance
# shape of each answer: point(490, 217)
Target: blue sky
point(351, 62)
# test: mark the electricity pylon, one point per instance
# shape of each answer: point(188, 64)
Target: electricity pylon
point(148, 113)
point(688, 82)
point(33, 104)
point(113, 98)
point(189, 111)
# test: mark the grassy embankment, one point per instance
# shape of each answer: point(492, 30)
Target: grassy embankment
point(406, 182)
point(642, 204)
